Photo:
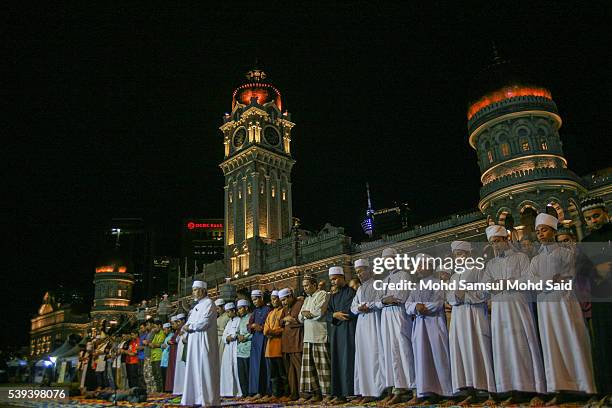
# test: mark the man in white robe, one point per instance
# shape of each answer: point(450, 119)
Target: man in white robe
point(566, 346)
point(222, 320)
point(396, 329)
point(179, 367)
point(230, 381)
point(202, 375)
point(470, 332)
point(369, 382)
point(429, 337)
point(517, 359)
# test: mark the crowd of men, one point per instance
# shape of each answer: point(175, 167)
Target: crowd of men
point(394, 346)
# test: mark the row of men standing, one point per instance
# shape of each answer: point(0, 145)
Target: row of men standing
point(376, 344)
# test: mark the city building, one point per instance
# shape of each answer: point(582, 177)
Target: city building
point(55, 321)
point(113, 294)
point(513, 125)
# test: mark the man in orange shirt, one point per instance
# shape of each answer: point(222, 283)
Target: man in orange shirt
point(274, 356)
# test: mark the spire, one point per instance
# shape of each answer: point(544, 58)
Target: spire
point(370, 210)
point(367, 224)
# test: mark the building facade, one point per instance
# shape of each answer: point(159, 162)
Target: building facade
point(513, 126)
point(53, 324)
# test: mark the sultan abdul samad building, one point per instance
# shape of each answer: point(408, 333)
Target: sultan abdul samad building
point(513, 126)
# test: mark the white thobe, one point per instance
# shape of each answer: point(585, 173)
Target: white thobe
point(369, 380)
point(202, 371)
point(179, 367)
point(430, 341)
point(517, 360)
point(470, 336)
point(566, 347)
point(230, 382)
point(396, 329)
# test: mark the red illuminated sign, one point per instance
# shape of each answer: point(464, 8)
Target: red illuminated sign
point(199, 225)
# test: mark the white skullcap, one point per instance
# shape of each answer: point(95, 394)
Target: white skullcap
point(496, 231)
point(546, 219)
point(166, 325)
point(274, 293)
point(173, 319)
point(336, 270)
point(461, 245)
point(219, 302)
point(229, 306)
point(199, 284)
point(180, 316)
point(243, 302)
point(283, 293)
point(361, 262)
point(256, 293)
point(389, 252)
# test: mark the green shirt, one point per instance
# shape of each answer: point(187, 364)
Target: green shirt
point(244, 348)
point(156, 353)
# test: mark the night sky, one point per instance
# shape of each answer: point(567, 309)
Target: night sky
point(116, 108)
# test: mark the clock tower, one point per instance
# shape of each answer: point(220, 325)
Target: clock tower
point(257, 168)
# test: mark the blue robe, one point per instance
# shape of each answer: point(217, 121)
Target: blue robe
point(259, 378)
point(342, 343)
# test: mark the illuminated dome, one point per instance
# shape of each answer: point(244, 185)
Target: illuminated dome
point(112, 264)
point(256, 87)
point(503, 88)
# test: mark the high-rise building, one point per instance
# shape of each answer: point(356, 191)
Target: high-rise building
point(133, 240)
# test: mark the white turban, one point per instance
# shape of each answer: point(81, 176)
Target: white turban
point(199, 284)
point(546, 219)
point(166, 325)
point(461, 245)
point(336, 270)
point(283, 293)
point(361, 263)
point(219, 302)
point(389, 252)
point(256, 293)
point(180, 316)
point(274, 293)
point(229, 306)
point(496, 231)
point(243, 302)
point(173, 319)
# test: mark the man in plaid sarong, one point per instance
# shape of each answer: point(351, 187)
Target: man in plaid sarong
point(315, 378)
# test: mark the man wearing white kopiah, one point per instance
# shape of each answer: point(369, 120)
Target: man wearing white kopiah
point(470, 332)
point(179, 366)
point(565, 341)
point(202, 371)
point(517, 361)
point(429, 337)
point(396, 329)
point(369, 381)
point(222, 320)
point(230, 381)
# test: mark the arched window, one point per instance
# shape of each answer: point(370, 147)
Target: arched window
point(543, 144)
point(505, 149)
point(525, 145)
point(490, 156)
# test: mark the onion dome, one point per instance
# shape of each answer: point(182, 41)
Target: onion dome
point(256, 87)
point(503, 87)
point(112, 264)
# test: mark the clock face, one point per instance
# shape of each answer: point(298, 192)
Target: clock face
point(271, 135)
point(239, 137)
